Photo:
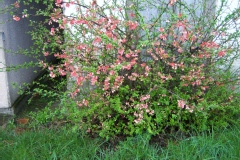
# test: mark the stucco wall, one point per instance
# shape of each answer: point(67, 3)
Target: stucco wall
point(15, 37)
point(231, 5)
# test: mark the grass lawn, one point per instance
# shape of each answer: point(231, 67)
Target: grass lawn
point(40, 143)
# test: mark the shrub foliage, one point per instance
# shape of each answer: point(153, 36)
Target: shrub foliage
point(153, 66)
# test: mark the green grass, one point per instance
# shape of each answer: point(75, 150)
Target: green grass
point(63, 144)
point(47, 144)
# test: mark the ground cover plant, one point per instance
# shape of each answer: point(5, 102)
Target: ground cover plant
point(132, 70)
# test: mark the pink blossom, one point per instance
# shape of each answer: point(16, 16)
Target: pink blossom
point(133, 61)
point(62, 72)
point(80, 80)
point(85, 102)
point(16, 18)
point(112, 72)
point(144, 97)
point(171, 3)
point(50, 68)
point(209, 45)
point(147, 69)
point(175, 44)
point(44, 65)
point(163, 37)
point(123, 40)
point(133, 76)
point(46, 53)
point(137, 121)
point(160, 51)
point(67, 5)
point(193, 38)
point(161, 29)
point(16, 4)
point(180, 50)
point(103, 69)
point(97, 40)
point(128, 55)
point(132, 14)
point(52, 31)
point(117, 83)
point(52, 75)
point(184, 36)
point(94, 80)
point(81, 21)
point(127, 67)
point(132, 25)
point(221, 53)
point(73, 94)
point(204, 87)
point(106, 83)
point(74, 74)
point(143, 64)
point(109, 46)
point(58, 1)
point(181, 24)
point(120, 51)
point(24, 15)
point(181, 103)
point(173, 65)
point(109, 34)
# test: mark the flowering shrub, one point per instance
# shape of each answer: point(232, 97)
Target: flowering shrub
point(132, 71)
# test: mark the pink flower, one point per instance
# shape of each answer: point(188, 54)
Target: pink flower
point(173, 65)
point(145, 97)
point(52, 31)
point(163, 37)
point(109, 46)
point(58, 1)
point(85, 102)
point(24, 15)
point(161, 29)
point(132, 25)
point(181, 103)
point(127, 67)
point(46, 53)
point(44, 65)
point(67, 5)
point(132, 14)
point(80, 80)
point(221, 53)
point(16, 4)
point(180, 50)
point(171, 3)
point(97, 40)
point(106, 83)
point(16, 18)
point(94, 80)
point(52, 75)
point(121, 51)
point(160, 51)
point(50, 68)
point(62, 72)
point(143, 64)
point(112, 72)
